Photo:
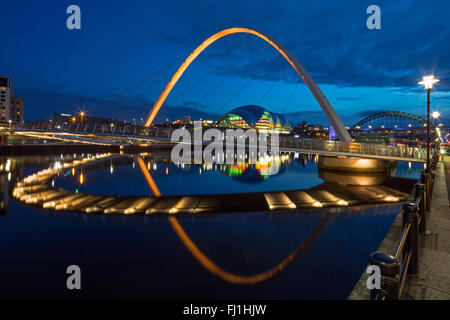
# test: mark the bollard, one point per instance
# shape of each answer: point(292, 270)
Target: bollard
point(390, 281)
point(420, 198)
point(412, 241)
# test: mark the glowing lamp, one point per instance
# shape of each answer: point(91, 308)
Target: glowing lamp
point(428, 82)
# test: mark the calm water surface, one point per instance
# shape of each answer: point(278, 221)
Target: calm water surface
point(143, 256)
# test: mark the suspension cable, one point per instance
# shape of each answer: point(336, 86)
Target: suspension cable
point(210, 72)
point(235, 95)
point(267, 92)
point(290, 97)
point(134, 86)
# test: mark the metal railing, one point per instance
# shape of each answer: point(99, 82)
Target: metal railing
point(405, 260)
point(354, 148)
point(288, 143)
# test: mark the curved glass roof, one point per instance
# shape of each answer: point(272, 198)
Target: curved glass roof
point(253, 113)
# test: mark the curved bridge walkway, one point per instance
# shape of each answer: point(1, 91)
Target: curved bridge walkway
point(126, 134)
point(37, 189)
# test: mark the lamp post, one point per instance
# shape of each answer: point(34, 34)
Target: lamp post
point(81, 116)
point(435, 115)
point(437, 134)
point(428, 82)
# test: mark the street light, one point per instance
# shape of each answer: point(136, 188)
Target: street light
point(428, 82)
point(435, 115)
point(82, 116)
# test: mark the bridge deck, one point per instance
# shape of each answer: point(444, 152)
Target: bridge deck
point(123, 135)
point(37, 189)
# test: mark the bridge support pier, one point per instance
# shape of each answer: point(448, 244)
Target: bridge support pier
point(4, 139)
point(354, 164)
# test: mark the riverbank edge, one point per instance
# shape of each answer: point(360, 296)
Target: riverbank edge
point(388, 245)
point(54, 149)
point(432, 281)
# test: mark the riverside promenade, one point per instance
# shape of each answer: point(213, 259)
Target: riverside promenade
point(433, 279)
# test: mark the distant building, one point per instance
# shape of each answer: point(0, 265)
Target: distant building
point(66, 118)
point(17, 110)
point(184, 121)
point(6, 93)
point(332, 134)
point(375, 137)
point(256, 117)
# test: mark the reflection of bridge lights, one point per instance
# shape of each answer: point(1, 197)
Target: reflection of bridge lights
point(279, 200)
point(111, 169)
point(73, 171)
point(409, 165)
point(57, 165)
point(390, 198)
point(81, 178)
point(317, 204)
point(9, 176)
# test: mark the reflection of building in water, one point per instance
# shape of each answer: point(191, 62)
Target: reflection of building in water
point(8, 176)
point(5, 199)
point(254, 173)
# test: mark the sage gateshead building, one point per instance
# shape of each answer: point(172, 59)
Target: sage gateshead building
point(256, 117)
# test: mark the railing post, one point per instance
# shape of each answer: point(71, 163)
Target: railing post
point(413, 236)
point(420, 198)
point(390, 280)
point(427, 181)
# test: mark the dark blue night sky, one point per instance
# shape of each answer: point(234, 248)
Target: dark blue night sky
point(123, 42)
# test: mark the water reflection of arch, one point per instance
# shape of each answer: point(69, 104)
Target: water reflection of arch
point(212, 267)
point(36, 186)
